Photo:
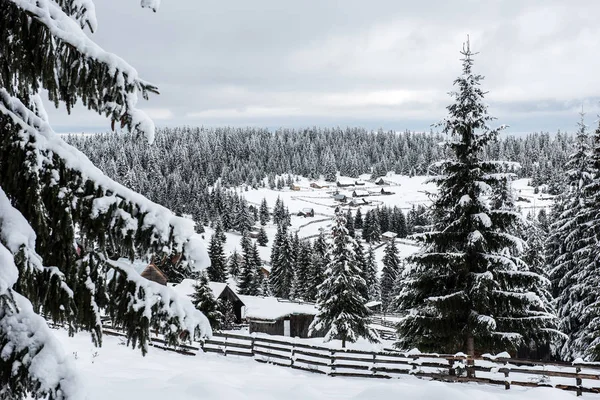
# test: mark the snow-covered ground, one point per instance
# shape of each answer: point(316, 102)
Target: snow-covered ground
point(116, 372)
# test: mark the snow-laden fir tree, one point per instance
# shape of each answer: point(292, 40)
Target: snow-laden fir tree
point(262, 238)
point(350, 223)
point(371, 276)
point(389, 273)
point(467, 288)
point(244, 219)
point(63, 223)
point(358, 219)
point(204, 300)
point(217, 272)
point(282, 265)
point(575, 261)
point(234, 265)
point(318, 266)
point(342, 313)
point(228, 311)
point(263, 213)
point(362, 265)
point(303, 270)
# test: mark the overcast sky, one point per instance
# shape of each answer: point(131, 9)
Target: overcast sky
point(376, 63)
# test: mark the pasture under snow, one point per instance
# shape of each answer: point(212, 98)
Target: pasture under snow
point(117, 372)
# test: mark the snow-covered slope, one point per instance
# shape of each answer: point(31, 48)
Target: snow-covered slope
point(118, 373)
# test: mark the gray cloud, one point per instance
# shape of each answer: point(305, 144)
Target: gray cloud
point(383, 63)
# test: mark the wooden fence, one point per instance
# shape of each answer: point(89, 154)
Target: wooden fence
point(389, 363)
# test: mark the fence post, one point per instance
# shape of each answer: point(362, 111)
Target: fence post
point(225, 346)
point(252, 346)
point(470, 367)
point(578, 381)
point(292, 357)
point(374, 363)
point(202, 345)
point(451, 370)
point(332, 364)
point(506, 372)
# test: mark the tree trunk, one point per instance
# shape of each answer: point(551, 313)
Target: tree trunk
point(343, 343)
point(470, 345)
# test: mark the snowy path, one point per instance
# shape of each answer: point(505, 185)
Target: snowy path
point(119, 373)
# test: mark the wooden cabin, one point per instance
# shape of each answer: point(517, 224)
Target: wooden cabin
point(154, 274)
point(360, 193)
point(388, 236)
point(340, 197)
point(295, 187)
point(380, 182)
point(344, 184)
point(306, 212)
point(316, 185)
point(278, 317)
point(385, 192)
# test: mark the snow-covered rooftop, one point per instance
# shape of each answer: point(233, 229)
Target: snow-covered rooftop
point(186, 287)
point(389, 234)
point(271, 308)
point(361, 192)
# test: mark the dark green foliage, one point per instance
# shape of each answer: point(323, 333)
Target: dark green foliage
point(342, 312)
point(465, 288)
point(303, 270)
point(262, 238)
point(234, 265)
point(320, 259)
point(229, 319)
point(217, 272)
point(282, 265)
point(349, 223)
point(358, 220)
point(204, 300)
point(264, 215)
point(390, 272)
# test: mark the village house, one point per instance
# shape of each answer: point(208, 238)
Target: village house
point(316, 185)
point(345, 183)
point(360, 193)
point(385, 192)
point(295, 187)
point(388, 236)
point(380, 182)
point(340, 197)
point(278, 317)
point(359, 183)
point(306, 212)
point(358, 202)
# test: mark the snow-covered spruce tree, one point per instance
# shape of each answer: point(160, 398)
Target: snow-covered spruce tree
point(262, 238)
point(371, 276)
point(248, 283)
point(389, 274)
point(319, 264)
point(217, 272)
point(234, 265)
point(358, 219)
point(227, 310)
point(282, 266)
point(263, 213)
point(62, 222)
point(303, 269)
point(467, 287)
point(576, 269)
point(350, 223)
point(342, 313)
point(204, 300)
point(363, 266)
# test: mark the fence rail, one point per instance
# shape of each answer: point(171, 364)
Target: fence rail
point(387, 364)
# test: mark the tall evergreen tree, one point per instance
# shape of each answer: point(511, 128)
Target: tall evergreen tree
point(52, 196)
point(303, 270)
point(358, 219)
point(349, 223)
point(391, 270)
point(363, 267)
point(217, 272)
point(320, 260)
point(264, 215)
point(342, 313)
point(262, 238)
point(234, 265)
point(371, 276)
point(282, 266)
point(464, 289)
point(204, 300)
point(575, 262)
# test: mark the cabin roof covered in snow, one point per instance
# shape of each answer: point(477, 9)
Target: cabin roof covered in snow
point(389, 234)
point(271, 308)
point(361, 192)
point(186, 287)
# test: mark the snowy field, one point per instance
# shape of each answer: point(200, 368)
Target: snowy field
point(406, 193)
point(119, 373)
